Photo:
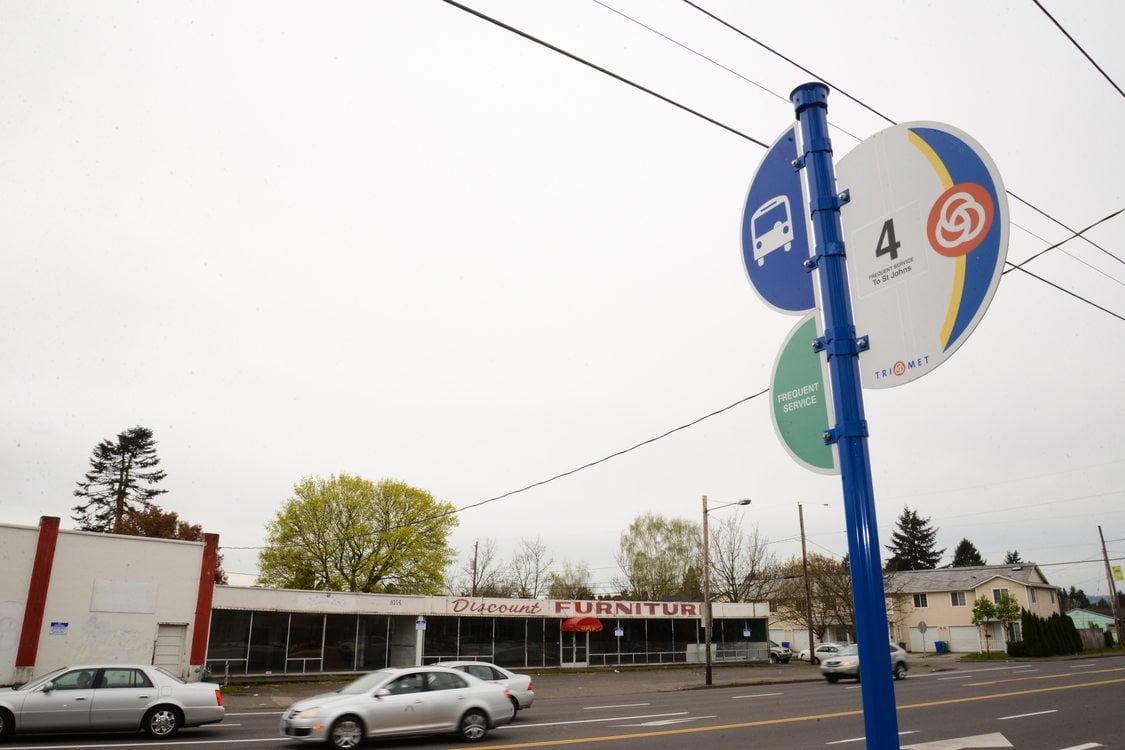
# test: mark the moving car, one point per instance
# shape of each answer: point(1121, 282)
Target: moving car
point(820, 653)
point(846, 663)
point(414, 701)
point(519, 685)
point(109, 697)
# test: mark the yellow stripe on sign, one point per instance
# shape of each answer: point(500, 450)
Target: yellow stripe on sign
point(959, 263)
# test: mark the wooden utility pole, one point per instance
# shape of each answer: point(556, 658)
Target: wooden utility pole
point(1112, 591)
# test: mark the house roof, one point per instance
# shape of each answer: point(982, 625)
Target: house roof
point(965, 579)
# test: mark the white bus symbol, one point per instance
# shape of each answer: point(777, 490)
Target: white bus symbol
point(771, 227)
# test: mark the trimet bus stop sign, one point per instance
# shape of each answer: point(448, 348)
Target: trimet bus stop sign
point(926, 234)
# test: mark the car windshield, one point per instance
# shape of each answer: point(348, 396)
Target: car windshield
point(32, 684)
point(851, 650)
point(367, 682)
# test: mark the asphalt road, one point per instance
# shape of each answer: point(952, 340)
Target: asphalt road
point(944, 704)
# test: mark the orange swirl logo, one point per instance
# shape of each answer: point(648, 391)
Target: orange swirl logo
point(960, 219)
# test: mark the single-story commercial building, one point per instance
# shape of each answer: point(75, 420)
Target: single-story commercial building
point(73, 596)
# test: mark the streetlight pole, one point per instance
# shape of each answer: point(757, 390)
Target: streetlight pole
point(808, 587)
point(707, 581)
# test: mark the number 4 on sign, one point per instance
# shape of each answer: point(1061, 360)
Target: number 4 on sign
point(888, 245)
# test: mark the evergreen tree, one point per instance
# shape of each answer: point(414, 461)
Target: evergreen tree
point(912, 544)
point(966, 555)
point(121, 480)
point(1012, 557)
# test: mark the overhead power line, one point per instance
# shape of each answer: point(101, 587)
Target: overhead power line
point(600, 69)
point(1079, 47)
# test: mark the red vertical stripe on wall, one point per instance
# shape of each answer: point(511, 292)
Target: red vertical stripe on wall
point(37, 589)
point(203, 600)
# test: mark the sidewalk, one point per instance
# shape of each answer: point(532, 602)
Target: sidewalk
point(593, 683)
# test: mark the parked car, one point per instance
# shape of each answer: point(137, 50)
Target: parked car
point(519, 685)
point(779, 654)
point(820, 653)
point(414, 701)
point(846, 663)
point(110, 697)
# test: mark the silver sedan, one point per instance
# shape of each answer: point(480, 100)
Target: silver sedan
point(519, 685)
point(109, 697)
point(415, 701)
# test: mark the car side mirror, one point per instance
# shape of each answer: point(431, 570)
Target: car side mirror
point(48, 687)
point(382, 693)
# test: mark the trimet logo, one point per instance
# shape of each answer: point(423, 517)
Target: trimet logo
point(900, 368)
point(960, 219)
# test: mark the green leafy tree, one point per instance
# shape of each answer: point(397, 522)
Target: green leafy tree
point(1007, 612)
point(984, 612)
point(346, 533)
point(966, 555)
point(661, 559)
point(570, 581)
point(122, 479)
point(1073, 598)
point(912, 543)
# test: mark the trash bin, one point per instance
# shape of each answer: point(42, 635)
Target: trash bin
point(939, 646)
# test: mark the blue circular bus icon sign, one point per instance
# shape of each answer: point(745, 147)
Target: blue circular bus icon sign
point(775, 235)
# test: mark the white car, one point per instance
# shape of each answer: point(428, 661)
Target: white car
point(820, 653)
point(519, 685)
point(109, 697)
point(411, 702)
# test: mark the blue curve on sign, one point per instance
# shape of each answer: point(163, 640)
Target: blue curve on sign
point(964, 165)
point(775, 242)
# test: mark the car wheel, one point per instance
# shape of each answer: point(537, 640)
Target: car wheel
point(346, 733)
point(515, 708)
point(7, 724)
point(900, 671)
point(815, 660)
point(833, 678)
point(774, 659)
point(474, 726)
point(162, 722)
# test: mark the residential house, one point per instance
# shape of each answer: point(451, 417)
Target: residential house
point(928, 606)
point(1094, 618)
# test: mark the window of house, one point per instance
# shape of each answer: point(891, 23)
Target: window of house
point(957, 598)
point(1032, 594)
point(1052, 596)
point(997, 593)
point(921, 600)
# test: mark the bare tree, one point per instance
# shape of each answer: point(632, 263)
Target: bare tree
point(742, 569)
point(530, 568)
point(481, 574)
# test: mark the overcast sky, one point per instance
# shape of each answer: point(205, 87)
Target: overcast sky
point(393, 239)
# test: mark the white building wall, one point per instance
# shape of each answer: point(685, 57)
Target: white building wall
point(17, 556)
point(107, 597)
point(112, 592)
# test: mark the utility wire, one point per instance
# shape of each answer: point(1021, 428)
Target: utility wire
point(583, 467)
point(600, 69)
point(1079, 47)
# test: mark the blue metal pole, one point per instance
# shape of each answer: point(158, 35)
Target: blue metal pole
point(850, 431)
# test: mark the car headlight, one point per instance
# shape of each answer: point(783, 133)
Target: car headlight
point(308, 713)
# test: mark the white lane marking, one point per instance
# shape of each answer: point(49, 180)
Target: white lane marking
point(861, 739)
point(597, 721)
point(1024, 716)
point(756, 695)
point(954, 677)
point(964, 743)
point(666, 722)
point(1087, 746)
point(619, 705)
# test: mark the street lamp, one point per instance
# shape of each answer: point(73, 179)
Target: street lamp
point(707, 579)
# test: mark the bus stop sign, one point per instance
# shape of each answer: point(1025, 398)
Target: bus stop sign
point(775, 233)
